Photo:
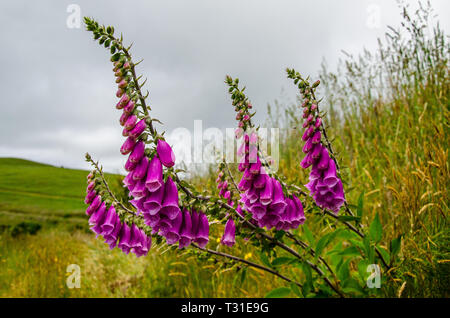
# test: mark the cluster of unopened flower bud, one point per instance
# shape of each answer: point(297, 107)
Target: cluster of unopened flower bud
point(241, 105)
point(324, 186)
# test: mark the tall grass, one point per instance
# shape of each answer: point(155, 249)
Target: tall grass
point(388, 112)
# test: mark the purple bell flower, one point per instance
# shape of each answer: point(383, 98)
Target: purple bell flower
point(202, 235)
point(154, 179)
point(170, 202)
point(228, 237)
point(165, 153)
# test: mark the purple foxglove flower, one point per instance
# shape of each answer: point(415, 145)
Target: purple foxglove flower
point(242, 150)
point(123, 118)
point(255, 167)
point(306, 134)
point(138, 152)
point(139, 204)
point(125, 239)
point(195, 220)
point(109, 222)
point(315, 153)
point(151, 220)
point(123, 101)
point(90, 186)
point(308, 146)
point(95, 204)
point(222, 192)
point(299, 213)
point(154, 179)
point(170, 202)
point(186, 234)
point(253, 195)
point(227, 195)
point(248, 175)
point(129, 165)
point(305, 124)
point(307, 161)
point(202, 236)
point(90, 196)
point(128, 181)
point(309, 119)
point(315, 173)
point(165, 153)
point(228, 237)
point(238, 132)
point(260, 181)
point(164, 225)
point(138, 129)
point(97, 216)
point(278, 203)
point(128, 146)
point(120, 92)
point(324, 159)
point(318, 122)
point(266, 193)
point(257, 210)
point(139, 190)
point(135, 238)
point(329, 177)
point(141, 169)
point(131, 122)
point(253, 138)
point(244, 184)
point(125, 132)
point(173, 235)
point(111, 238)
point(153, 201)
point(146, 245)
point(129, 107)
point(311, 186)
point(316, 137)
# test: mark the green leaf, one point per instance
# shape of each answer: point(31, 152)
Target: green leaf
point(296, 290)
point(264, 259)
point(395, 246)
point(375, 229)
point(324, 241)
point(351, 250)
point(308, 234)
point(360, 208)
point(282, 260)
point(280, 292)
point(384, 253)
point(344, 271)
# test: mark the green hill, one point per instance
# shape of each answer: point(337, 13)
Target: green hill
point(40, 192)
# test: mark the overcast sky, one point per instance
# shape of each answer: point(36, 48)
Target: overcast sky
point(58, 90)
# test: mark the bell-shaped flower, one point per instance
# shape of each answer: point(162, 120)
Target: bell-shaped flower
point(324, 159)
point(245, 184)
point(329, 177)
point(165, 153)
point(129, 107)
point(186, 234)
point(98, 215)
point(153, 202)
point(173, 235)
point(267, 192)
point(202, 235)
point(138, 152)
point(139, 190)
point(141, 169)
point(228, 237)
point(170, 202)
point(154, 179)
point(260, 180)
point(125, 239)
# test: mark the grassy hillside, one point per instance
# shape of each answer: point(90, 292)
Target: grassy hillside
point(31, 191)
